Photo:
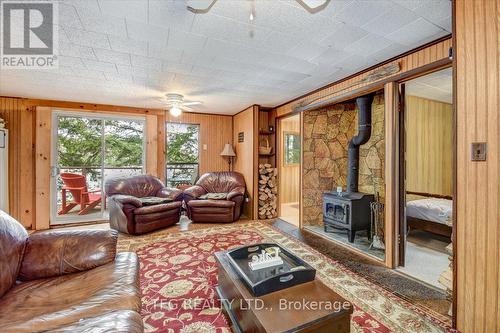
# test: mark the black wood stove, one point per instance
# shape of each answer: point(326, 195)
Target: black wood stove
point(350, 210)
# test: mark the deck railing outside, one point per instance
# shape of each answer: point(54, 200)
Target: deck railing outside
point(94, 176)
point(181, 173)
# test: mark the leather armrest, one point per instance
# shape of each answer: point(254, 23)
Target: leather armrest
point(194, 192)
point(236, 192)
point(59, 252)
point(127, 199)
point(171, 193)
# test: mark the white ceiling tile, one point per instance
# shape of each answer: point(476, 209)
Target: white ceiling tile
point(119, 77)
point(146, 62)
point(446, 24)
point(72, 62)
point(435, 10)
point(175, 67)
point(358, 12)
point(112, 56)
point(368, 45)
point(100, 66)
point(228, 29)
point(181, 40)
point(146, 32)
point(133, 9)
point(163, 52)
point(390, 21)
point(170, 14)
point(389, 52)
point(307, 50)
point(127, 45)
point(330, 57)
point(345, 35)
point(90, 74)
point(87, 38)
point(135, 71)
point(68, 16)
point(221, 57)
point(409, 4)
point(72, 50)
point(414, 33)
point(300, 66)
point(84, 4)
point(95, 21)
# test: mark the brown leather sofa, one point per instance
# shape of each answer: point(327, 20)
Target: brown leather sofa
point(128, 214)
point(66, 281)
point(207, 210)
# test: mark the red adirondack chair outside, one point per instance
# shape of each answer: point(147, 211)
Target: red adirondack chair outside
point(77, 185)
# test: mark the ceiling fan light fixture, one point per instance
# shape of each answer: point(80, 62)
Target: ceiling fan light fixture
point(175, 111)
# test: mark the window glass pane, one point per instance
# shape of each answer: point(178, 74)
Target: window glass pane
point(124, 147)
point(79, 155)
point(292, 148)
point(182, 154)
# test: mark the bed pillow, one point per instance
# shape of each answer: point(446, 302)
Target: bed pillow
point(213, 196)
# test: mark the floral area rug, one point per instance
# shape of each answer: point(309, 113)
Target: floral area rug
point(179, 273)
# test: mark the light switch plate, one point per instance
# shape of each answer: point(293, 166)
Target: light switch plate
point(478, 151)
point(204, 146)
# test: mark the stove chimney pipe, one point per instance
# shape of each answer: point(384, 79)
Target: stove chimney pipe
point(364, 132)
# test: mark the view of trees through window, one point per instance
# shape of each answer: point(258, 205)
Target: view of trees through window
point(182, 153)
point(292, 148)
point(99, 148)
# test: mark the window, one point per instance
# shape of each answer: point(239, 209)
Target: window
point(88, 150)
point(292, 148)
point(182, 154)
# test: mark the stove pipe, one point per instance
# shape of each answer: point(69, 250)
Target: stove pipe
point(364, 132)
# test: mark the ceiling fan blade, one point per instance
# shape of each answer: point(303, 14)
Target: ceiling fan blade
point(185, 108)
point(191, 103)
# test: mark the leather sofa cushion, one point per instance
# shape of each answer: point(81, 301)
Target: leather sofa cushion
point(125, 321)
point(53, 303)
point(213, 196)
point(57, 252)
point(207, 204)
point(13, 238)
point(152, 201)
point(157, 208)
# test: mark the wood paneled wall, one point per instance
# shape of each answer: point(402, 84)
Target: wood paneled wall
point(20, 121)
point(289, 175)
point(429, 146)
point(477, 33)
point(408, 63)
point(246, 162)
point(215, 132)
point(25, 124)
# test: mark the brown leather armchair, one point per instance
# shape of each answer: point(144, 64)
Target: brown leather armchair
point(128, 214)
point(66, 281)
point(207, 210)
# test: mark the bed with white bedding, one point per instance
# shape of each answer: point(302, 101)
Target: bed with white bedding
point(432, 214)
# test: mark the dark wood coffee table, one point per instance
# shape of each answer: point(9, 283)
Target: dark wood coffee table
point(308, 307)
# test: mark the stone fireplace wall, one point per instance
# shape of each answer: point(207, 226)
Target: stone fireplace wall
point(326, 136)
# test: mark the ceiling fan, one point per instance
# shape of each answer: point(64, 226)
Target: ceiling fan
point(177, 104)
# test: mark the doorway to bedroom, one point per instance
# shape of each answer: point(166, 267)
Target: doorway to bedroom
point(289, 161)
point(426, 180)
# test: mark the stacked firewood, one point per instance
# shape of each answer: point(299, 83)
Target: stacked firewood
point(268, 190)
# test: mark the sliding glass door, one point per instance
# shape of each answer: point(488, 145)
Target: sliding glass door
point(86, 151)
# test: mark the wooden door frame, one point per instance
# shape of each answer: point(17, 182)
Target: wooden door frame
point(450, 64)
point(279, 161)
